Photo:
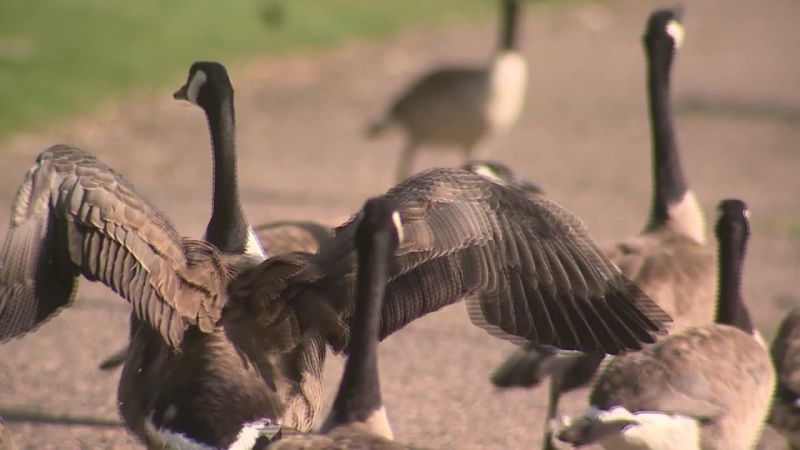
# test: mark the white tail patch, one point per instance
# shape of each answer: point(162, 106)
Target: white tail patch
point(652, 429)
point(163, 438)
point(507, 90)
point(245, 440)
point(251, 431)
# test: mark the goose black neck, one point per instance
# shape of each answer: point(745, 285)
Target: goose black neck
point(359, 392)
point(731, 309)
point(669, 184)
point(508, 24)
point(227, 228)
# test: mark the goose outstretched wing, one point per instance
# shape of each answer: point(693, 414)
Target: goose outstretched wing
point(72, 216)
point(527, 267)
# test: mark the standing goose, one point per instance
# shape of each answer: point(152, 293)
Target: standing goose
point(219, 353)
point(668, 260)
point(459, 107)
point(708, 387)
point(210, 88)
point(358, 418)
point(141, 395)
point(785, 414)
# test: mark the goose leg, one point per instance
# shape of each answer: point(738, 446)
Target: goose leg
point(406, 160)
point(552, 410)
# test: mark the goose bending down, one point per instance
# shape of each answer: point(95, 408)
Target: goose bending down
point(668, 259)
point(218, 347)
point(358, 418)
point(708, 387)
point(457, 106)
point(785, 414)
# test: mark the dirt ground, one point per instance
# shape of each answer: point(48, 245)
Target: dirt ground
point(583, 137)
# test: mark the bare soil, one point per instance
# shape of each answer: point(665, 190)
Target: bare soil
point(584, 137)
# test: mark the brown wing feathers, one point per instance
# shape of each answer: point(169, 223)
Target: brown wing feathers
point(96, 225)
point(527, 267)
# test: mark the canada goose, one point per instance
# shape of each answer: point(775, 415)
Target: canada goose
point(458, 106)
point(358, 417)
point(217, 350)
point(709, 386)
point(210, 88)
point(785, 414)
point(668, 259)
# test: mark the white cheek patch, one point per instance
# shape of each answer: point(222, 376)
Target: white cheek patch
point(678, 33)
point(398, 224)
point(197, 81)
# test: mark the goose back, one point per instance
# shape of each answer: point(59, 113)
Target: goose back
point(716, 380)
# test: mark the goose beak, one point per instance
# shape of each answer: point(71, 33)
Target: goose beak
point(181, 94)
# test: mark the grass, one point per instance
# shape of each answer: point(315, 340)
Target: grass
point(60, 58)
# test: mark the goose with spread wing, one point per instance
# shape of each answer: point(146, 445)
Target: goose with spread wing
point(209, 87)
point(216, 344)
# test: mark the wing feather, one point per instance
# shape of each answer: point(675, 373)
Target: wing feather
point(528, 268)
point(74, 216)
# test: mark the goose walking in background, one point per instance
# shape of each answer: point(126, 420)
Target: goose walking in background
point(459, 107)
point(708, 387)
point(220, 350)
point(358, 418)
point(785, 414)
point(668, 260)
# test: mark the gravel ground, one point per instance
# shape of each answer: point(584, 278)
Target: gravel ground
point(584, 138)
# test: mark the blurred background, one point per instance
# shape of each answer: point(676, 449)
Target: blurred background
point(309, 75)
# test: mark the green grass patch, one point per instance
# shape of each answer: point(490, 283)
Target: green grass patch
point(62, 57)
